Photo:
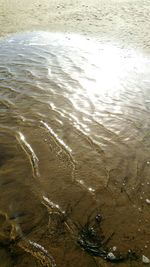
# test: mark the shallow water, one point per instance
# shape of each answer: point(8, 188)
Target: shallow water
point(74, 139)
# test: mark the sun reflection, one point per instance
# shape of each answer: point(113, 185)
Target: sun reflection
point(103, 72)
point(50, 203)
point(30, 153)
point(101, 66)
point(82, 183)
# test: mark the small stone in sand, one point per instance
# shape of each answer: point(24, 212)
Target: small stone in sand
point(147, 201)
point(145, 259)
point(111, 256)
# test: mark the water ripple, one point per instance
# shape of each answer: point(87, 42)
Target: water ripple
point(74, 114)
point(30, 153)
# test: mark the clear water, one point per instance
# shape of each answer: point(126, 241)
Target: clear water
point(74, 140)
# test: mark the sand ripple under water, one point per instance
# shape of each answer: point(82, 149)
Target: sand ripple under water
point(74, 139)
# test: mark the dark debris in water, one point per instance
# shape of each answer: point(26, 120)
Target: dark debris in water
point(92, 240)
point(90, 237)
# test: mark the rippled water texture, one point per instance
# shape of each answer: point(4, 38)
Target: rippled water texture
point(74, 140)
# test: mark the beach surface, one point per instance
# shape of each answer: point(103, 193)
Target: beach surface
point(126, 21)
point(74, 133)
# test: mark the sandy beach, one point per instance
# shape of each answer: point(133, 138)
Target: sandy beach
point(125, 21)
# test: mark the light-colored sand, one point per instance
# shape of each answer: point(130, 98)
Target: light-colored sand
point(126, 21)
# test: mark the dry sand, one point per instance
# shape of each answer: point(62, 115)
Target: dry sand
point(127, 21)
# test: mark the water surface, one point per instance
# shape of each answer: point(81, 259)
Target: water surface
point(74, 139)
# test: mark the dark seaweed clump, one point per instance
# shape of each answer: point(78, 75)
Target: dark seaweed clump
point(93, 241)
